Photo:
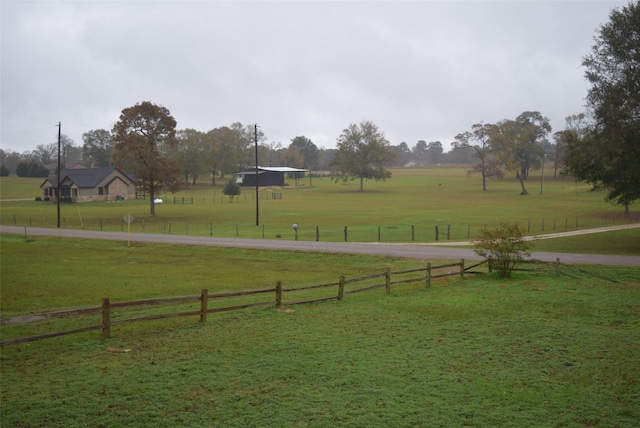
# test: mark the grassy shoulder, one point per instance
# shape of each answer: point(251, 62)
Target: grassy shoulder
point(622, 242)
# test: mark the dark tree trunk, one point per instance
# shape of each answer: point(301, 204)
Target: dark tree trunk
point(152, 197)
point(524, 189)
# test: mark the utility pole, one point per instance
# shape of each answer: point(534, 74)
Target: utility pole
point(58, 187)
point(544, 156)
point(255, 128)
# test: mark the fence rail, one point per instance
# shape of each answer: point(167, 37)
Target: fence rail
point(106, 308)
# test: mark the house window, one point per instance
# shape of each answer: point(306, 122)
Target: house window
point(100, 191)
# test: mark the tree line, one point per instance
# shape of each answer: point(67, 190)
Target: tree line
point(234, 147)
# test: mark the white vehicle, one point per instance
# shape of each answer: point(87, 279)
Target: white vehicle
point(158, 201)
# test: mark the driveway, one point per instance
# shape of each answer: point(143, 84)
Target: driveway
point(415, 251)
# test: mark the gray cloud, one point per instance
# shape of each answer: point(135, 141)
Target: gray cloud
point(420, 70)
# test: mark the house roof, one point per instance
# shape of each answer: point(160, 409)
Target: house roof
point(87, 177)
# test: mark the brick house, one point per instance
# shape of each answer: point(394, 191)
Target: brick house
point(90, 184)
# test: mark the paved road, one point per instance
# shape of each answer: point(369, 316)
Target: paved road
point(417, 251)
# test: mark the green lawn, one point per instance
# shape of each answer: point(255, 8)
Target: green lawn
point(405, 208)
point(533, 350)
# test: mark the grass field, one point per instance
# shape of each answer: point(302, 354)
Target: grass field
point(407, 207)
point(533, 350)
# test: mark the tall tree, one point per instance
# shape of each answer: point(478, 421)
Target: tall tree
point(609, 157)
point(291, 156)
point(533, 138)
point(232, 149)
point(434, 152)
point(420, 151)
point(402, 153)
point(479, 139)
point(518, 144)
point(47, 154)
point(97, 146)
point(307, 149)
point(362, 152)
point(191, 152)
point(143, 137)
point(506, 140)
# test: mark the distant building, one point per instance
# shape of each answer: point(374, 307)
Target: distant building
point(90, 184)
point(267, 176)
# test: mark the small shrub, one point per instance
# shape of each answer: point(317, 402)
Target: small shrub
point(503, 247)
point(232, 189)
point(38, 199)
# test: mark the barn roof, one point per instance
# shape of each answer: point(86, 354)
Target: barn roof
point(262, 169)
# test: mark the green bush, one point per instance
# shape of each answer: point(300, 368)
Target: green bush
point(232, 189)
point(503, 247)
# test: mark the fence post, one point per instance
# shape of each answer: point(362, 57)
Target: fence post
point(378, 233)
point(317, 234)
point(448, 232)
point(461, 268)
point(279, 294)
point(413, 233)
point(341, 288)
point(345, 234)
point(428, 274)
point(387, 280)
point(106, 318)
point(204, 299)
point(437, 233)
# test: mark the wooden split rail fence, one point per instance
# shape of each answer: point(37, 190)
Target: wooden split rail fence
point(386, 279)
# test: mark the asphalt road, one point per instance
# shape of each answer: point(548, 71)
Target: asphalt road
point(416, 251)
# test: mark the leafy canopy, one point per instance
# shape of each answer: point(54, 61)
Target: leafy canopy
point(362, 153)
point(608, 157)
point(143, 138)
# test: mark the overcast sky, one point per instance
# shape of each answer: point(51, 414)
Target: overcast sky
point(420, 70)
